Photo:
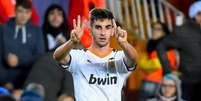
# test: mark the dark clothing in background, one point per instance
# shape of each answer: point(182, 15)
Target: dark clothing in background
point(187, 40)
point(2, 69)
point(152, 44)
point(27, 53)
point(56, 80)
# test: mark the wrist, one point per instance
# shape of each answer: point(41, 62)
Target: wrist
point(73, 41)
point(123, 44)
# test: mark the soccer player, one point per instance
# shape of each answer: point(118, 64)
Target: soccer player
point(98, 72)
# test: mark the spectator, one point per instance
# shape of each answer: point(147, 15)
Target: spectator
point(169, 90)
point(22, 43)
point(33, 92)
point(4, 91)
point(2, 69)
point(55, 27)
point(187, 40)
point(150, 63)
point(60, 81)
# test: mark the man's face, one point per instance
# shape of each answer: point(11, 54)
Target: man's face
point(157, 31)
point(168, 88)
point(55, 18)
point(198, 18)
point(22, 15)
point(102, 31)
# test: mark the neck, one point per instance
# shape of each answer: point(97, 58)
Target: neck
point(100, 51)
point(19, 25)
point(94, 46)
point(167, 98)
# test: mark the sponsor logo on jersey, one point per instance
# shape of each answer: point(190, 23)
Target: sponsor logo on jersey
point(108, 80)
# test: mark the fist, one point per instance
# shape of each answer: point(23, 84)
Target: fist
point(120, 34)
point(12, 60)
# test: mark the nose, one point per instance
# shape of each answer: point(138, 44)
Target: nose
point(103, 32)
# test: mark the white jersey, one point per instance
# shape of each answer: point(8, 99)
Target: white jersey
point(95, 78)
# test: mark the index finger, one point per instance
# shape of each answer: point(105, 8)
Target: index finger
point(74, 23)
point(114, 23)
point(79, 21)
point(84, 23)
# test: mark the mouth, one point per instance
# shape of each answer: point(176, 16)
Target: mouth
point(102, 39)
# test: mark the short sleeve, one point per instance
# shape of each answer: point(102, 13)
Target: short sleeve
point(121, 66)
point(74, 59)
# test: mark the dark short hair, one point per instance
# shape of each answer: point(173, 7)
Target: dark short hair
point(98, 13)
point(24, 3)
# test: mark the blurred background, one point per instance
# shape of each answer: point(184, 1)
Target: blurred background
point(138, 17)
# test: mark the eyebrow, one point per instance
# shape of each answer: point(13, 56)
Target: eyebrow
point(98, 26)
point(108, 26)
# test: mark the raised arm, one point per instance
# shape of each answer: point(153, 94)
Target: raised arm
point(61, 54)
point(129, 51)
point(171, 41)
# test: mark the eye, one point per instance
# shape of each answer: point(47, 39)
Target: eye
point(109, 27)
point(98, 27)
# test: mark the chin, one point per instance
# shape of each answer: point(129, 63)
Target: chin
point(102, 45)
point(22, 22)
point(168, 95)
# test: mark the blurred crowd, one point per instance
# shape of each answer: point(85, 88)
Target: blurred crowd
point(171, 61)
point(27, 69)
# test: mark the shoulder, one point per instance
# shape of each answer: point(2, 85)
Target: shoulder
point(118, 52)
point(7, 25)
point(188, 27)
point(33, 27)
point(77, 51)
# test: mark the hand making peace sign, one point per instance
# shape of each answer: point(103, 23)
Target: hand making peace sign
point(78, 29)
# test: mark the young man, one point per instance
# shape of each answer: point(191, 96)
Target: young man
point(100, 71)
point(21, 42)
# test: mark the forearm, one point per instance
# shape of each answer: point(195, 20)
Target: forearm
point(161, 50)
point(130, 53)
point(62, 52)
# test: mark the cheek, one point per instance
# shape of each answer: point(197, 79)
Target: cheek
point(29, 15)
point(110, 33)
point(173, 90)
point(95, 32)
point(50, 18)
point(19, 15)
point(25, 16)
point(57, 19)
point(60, 18)
point(198, 18)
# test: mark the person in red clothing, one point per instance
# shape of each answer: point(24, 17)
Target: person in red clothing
point(151, 64)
